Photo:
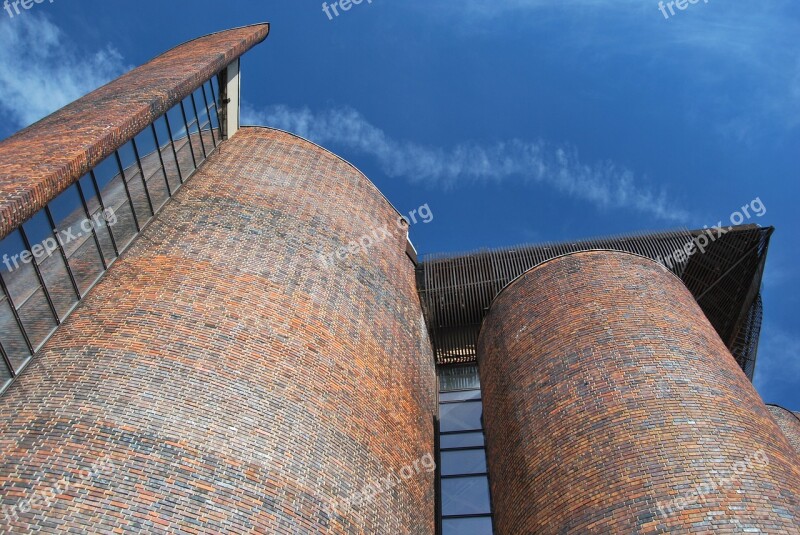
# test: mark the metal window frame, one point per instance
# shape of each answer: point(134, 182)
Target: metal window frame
point(106, 263)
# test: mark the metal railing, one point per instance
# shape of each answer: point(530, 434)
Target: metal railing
point(49, 263)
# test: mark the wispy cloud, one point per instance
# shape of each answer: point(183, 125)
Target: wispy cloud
point(41, 71)
point(603, 184)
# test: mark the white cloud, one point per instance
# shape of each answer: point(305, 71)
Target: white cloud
point(603, 184)
point(41, 71)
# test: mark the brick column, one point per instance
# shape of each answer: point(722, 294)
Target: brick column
point(612, 406)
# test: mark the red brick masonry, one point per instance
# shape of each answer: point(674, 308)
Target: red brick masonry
point(229, 382)
point(789, 422)
point(612, 406)
point(39, 162)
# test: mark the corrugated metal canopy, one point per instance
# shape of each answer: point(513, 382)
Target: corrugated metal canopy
point(457, 290)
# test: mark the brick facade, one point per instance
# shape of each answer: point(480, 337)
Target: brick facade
point(69, 142)
point(222, 379)
point(789, 422)
point(609, 400)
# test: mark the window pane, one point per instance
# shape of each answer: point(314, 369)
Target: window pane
point(95, 212)
point(86, 264)
point(463, 462)
point(458, 378)
point(205, 122)
point(465, 496)
point(11, 337)
point(153, 172)
point(194, 132)
point(176, 124)
point(133, 176)
point(37, 318)
point(82, 254)
point(215, 86)
point(461, 440)
point(212, 108)
point(460, 416)
point(178, 129)
point(47, 256)
point(457, 396)
point(467, 526)
point(114, 196)
point(128, 158)
point(18, 273)
point(5, 375)
point(167, 154)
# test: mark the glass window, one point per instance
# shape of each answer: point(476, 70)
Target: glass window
point(465, 496)
point(463, 462)
point(87, 188)
point(153, 172)
point(51, 260)
point(48, 258)
point(114, 196)
point(168, 154)
point(82, 253)
point(212, 108)
point(461, 440)
point(139, 195)
point(460, 395)
point(467, 526)
point(25, 290)
point(11, 336)
point(458, 378)
point(460, 416)
point(5, 374)
point(182, 146)
point(204, 119)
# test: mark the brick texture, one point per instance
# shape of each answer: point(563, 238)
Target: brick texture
point(221, 379)
point(789, 422)
point(69, 142)
point(612, 406)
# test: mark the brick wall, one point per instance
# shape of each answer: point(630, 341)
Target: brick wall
point(607, 394)
point(789, 422)
point(224, 379)
point(69, 142)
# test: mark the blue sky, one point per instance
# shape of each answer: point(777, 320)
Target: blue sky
point(514, 120)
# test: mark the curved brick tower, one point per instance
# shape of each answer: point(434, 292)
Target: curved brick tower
point(612, 406)
point(789, 422)
point(238, 368)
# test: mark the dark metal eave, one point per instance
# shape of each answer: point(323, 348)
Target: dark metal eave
point(457, 290)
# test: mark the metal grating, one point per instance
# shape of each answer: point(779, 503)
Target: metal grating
point(457, 290)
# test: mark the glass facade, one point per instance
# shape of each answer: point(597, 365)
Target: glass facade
point(48, 264)
point(463, 480)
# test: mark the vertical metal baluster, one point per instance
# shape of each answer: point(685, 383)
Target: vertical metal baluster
point(103, 208)
point(94, 231)
point(141, 173)
point(63, 252)
point(127, 192)
point(39, 275)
